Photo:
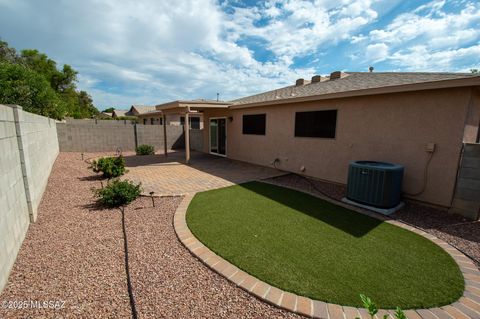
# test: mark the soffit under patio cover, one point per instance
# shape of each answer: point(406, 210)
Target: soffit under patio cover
point(181, 106)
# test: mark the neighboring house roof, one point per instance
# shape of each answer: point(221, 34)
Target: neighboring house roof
point(358, 83)
point(119, 113)
point(104, 115)
point(141, 109)
point(150, 113)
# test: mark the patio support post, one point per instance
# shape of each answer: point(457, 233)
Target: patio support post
point(165, 146)
point(187, 136)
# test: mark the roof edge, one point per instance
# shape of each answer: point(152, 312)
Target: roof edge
point(185, 103)
point(440, 84)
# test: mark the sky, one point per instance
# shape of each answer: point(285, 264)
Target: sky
point(150, 52)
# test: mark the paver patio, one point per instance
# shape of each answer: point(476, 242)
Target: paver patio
point(171, 176)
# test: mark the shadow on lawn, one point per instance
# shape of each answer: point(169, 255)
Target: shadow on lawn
point(353, 223)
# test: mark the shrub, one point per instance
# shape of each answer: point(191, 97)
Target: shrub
point(109, 166)
point(118, 193)
point(373, 310)
point(145, 150)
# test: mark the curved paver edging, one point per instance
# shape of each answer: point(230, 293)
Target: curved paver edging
point(467, 307)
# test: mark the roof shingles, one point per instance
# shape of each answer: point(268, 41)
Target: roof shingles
point(352, 82)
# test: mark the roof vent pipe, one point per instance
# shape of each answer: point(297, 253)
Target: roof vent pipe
point(300, 82)
point(316, 78)
point(337, 75)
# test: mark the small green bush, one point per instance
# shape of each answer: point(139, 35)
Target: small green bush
point(109, 166)
point(118, 193)
point(373, 310)
point(145, 150)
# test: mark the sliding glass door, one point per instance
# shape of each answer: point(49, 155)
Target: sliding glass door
point(218, 136)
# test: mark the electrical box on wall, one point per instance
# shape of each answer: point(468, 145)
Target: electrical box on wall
point(430, 147)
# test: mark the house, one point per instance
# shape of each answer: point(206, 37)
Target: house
point(136, 110)
point(104, 115)
point(155, 117)
point(317, 127)
point(119, 113)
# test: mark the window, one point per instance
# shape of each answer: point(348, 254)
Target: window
point(316, 124)
point(193, 121)
point(152, 121)
point(161, 120)
point(254, 124)
point(144, 121)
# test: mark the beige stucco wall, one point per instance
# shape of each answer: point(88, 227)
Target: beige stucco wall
point(391, 127)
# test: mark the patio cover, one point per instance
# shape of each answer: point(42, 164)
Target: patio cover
point(186, 107)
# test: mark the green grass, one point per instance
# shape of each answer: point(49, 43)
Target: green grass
point(313, 248)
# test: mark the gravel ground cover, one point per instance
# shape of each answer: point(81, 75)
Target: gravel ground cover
point(74, 255)
point(454, 229)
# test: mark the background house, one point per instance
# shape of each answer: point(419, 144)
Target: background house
point(155, 117)
point(104, 115)
point(136, 110)
point(133, 112)
point(119, 113)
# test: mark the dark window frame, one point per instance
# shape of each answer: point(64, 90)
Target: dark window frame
point(254, 124)
point(194, 121)
point(197, 120)
point(310, 124)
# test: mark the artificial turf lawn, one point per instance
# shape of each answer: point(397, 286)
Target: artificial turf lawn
point(313, 248)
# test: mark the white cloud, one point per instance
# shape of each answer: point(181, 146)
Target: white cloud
point(150, 51)
point(295, 28)
point(428, 38)
point(420, 58)
point(377, 52)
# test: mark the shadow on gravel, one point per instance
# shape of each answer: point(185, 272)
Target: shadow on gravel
point(91, 178)
point(95, 207)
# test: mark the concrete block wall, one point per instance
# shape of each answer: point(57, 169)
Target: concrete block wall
point(466, 200)
point(95, 136)
point(40, 149)
point(100, 136)
point(196, 140)
point(153, 135)
point(28, 149)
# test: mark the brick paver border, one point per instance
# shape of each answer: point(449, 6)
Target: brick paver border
point(467, 307)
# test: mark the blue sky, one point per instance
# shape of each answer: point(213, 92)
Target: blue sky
point(149, 52)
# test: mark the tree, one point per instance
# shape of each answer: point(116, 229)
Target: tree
point(109, 110)
point(22, 86)
point(474, 71)
point(33, 81)
point(7, 54)
point(64, 80)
